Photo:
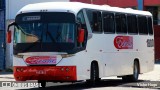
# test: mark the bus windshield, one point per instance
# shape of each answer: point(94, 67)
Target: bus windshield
point(44, 32)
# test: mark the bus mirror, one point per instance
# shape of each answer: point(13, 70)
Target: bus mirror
point(81, 35)
point(9, 34)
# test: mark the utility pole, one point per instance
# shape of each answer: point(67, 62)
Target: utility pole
point(140, 4)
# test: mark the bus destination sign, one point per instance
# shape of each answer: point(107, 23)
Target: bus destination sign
point(31, 18)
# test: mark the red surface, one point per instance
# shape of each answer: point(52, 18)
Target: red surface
point(156, 30)
point(9, 35)
point(152, 2)
point(120, 3)
point(48, 73)
point(157, 41)
point(81, 36)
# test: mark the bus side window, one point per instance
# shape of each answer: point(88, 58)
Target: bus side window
point(121, 24)
point(95, 20)
point(142, 25)
point(108, 22)
point(132, 24)
point(81, 20)
point(150, 27)
point(82, 25)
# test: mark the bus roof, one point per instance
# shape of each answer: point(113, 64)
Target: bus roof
point(75, 7)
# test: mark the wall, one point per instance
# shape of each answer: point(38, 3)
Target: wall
point(2, 40)
point(9, 49)
point(152, 2)
point(159, 15)
point(2, 35)
point(157, 41)
point(117, 3)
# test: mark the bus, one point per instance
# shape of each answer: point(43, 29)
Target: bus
point(73, 41)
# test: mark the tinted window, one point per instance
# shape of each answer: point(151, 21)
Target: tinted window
point(48, 17)
point(150, 28)
point(108, 22)
point(142, 25)
point(132, 24)
point(121, 26)
point(45, 32)
point(81, 20)
point(95, 20)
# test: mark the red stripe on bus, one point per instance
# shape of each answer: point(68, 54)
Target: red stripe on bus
point(48, 73)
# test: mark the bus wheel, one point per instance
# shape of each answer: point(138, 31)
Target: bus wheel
point(134, 76)
point(94, 73)
point(42, 84)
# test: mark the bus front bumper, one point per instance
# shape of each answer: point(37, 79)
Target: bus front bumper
point(47, 73)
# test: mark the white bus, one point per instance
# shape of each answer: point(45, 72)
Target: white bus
point(72, 41)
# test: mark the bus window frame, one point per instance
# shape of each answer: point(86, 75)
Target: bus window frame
point(133, 33)
point(92, 28)
point(83, 45)
point(151, 34)
point(142, 33)
point(103, 12)
point(119, 13)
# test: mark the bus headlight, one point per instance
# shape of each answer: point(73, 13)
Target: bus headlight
point(19, 56)
point(67, 69)
point(19, 69)
point(62, 69)
point(66, 55)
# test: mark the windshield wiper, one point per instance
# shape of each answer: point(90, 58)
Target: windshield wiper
point(51, 37)
point(58, 35)
point(41, 40)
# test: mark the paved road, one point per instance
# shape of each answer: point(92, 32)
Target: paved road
point(115, 84)
point(147, 81)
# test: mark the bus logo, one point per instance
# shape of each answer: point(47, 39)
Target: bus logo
point(123, 42)
point(36, 60)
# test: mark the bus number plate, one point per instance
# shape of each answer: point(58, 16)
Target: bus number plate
point(40, 72)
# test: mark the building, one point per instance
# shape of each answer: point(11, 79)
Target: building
point(9, 8)
point(2, 34)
